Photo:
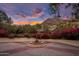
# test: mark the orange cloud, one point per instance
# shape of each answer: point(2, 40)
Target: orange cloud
point(35, 22)
point(23, 23)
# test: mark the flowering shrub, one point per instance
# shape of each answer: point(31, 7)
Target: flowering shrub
point(48, 35)
point(43, 35)
point(56, 34)
point(71, 33)
point(68, 33)
point(3, 32)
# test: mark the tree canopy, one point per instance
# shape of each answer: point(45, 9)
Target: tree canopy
point(4, 18)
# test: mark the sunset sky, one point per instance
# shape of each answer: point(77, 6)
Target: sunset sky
point(30, 13)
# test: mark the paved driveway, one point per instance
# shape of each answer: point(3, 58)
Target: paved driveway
point(52, 48)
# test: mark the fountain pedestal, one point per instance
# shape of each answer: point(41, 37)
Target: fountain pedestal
point(36, 44)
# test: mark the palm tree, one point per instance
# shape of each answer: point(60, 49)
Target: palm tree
point(55, 8)
point(75, 7)
point(76, 10)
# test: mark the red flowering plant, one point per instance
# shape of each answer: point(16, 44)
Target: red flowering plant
point(3, 32)
point(56, 34)
point(43, 35)
point(70, 33)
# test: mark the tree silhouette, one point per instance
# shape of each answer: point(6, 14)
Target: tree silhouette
point(4, 18)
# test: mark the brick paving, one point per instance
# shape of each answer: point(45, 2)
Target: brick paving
point(51, 49)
